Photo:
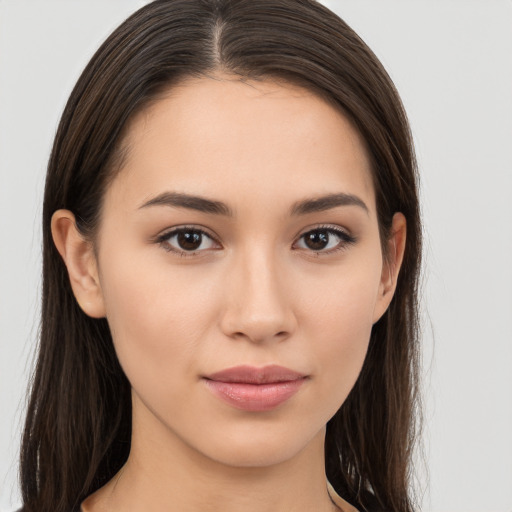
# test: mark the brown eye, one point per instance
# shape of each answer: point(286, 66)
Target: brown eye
point(325, 240)
point(316, 240)
point(187, 240)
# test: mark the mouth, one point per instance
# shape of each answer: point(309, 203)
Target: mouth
point(255, 389)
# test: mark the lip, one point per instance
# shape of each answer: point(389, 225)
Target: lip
point(255, 389)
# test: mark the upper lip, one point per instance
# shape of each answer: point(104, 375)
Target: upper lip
point(252, 375)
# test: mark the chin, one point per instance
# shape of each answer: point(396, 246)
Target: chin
point(262, 447)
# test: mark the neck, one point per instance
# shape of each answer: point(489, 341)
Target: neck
point(298, 485)
point(164, 474)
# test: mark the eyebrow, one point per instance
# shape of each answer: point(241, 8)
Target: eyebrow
point(198, 203)
point(327, 202)
point(205, 205)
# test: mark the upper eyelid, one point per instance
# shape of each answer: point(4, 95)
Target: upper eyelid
point(205, 230)
point(333, 227)
point(171, 231)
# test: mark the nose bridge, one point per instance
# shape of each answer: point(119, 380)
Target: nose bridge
point(258, 307)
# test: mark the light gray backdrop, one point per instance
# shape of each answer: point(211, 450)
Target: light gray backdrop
point(452, 63)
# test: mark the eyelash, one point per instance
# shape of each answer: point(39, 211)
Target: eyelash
point(345, 240)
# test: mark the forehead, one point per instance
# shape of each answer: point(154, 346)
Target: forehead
point(222, 136)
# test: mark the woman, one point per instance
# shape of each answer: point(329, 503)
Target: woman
point(231, 252)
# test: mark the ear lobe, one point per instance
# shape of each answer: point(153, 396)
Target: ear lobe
point(391, 265)
point(80, 261)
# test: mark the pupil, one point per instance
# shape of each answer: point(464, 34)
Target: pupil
point(189, 240)
point(317, 240)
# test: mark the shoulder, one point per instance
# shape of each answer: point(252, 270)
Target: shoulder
point(338, 500)
point(370, 500)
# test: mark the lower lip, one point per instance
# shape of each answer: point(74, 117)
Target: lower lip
point(254, 397)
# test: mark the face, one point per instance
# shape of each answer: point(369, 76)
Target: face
point(240, 233)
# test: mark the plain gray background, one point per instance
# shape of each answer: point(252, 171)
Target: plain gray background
point(452, 63)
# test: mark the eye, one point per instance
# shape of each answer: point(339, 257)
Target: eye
point(187, 241)
point(325, 240)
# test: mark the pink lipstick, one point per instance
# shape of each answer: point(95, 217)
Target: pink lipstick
point(255, 389)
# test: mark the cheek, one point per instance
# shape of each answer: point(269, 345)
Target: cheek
point(156, 314)
point(343, 301)
point(340, 319)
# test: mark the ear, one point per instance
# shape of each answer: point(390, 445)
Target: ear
point(391, 265)
point(80, 260)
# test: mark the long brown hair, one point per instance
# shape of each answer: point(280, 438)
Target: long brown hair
point(78, 425)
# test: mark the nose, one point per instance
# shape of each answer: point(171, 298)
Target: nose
point(258, 302)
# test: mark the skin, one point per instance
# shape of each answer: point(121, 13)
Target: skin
point(254, 293)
